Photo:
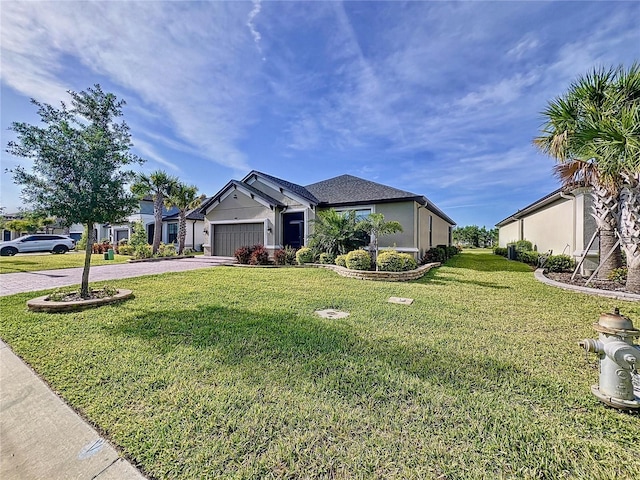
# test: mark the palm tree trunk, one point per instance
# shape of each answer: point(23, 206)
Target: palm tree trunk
point(605, 210)
point(182, 231)
point(157, 215)
point(630, 230)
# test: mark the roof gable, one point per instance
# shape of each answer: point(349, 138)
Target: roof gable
point(284, 184)
point(250, 191)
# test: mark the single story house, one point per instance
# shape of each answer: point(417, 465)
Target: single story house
point(195, 228)
point(263, 209)
point(560, 222)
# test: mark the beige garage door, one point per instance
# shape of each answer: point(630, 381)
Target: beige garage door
point(227, 238)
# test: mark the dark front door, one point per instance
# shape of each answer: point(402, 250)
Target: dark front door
point(151, 228)
point(293, 229)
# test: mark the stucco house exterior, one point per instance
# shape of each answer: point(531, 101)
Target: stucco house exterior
point(195, 228)
point(561, 222)
point(263, 209)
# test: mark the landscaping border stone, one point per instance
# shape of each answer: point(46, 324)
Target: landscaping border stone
point(41, 304)
point(631, 297)
point(378, 276)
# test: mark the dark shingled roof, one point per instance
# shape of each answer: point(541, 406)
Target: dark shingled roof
point(347, 189)
point(194, 214)
point(292, 187)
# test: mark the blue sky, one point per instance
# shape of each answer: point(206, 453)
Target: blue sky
point(438, 98)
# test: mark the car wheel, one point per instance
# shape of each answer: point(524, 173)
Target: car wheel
point(8, 251)
point(60, 249)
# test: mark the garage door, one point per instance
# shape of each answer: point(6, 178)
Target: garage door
point(227, 238)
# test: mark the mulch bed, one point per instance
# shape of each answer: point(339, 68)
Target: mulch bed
point(580, 281)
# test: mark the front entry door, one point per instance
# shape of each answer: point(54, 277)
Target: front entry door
point(293, 229)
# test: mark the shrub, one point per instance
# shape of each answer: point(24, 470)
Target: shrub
point(358, 260)
point(82, 243)
point(304, 255)
point(166, 250)
point(444, 248)
point(524, 246)
point(618, 275)
point(529, 257)
point(259, 255)
point(126, 250)
point(290, 256)
point(452, 251)
point(434, 255)
point(143, 251)
point(279, 257)
point(327, 258)
point(502, 251)
point(187, 251)
point(392, 261)
point(560, 263)
point(242, 255)
point(341, 261)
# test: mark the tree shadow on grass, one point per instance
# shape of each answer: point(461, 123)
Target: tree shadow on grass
point(304, 351)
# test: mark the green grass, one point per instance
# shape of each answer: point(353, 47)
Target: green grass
point(227, 372)
point(48, 261)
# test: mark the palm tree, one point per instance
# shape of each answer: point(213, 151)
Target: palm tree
point(596, 126)
point(158, 185)
point(336, 233)
point(375, 226)
point(185, 198)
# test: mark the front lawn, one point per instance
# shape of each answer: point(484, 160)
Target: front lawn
point(227, 372)
point(49, 261)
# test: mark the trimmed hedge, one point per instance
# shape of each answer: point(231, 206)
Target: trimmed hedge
point(560, 263)
point(341, 261)
point(304, 255)
point(358, 260)
point(392, 261)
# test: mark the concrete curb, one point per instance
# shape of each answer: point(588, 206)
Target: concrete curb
point(42, 437)
point(631, 297)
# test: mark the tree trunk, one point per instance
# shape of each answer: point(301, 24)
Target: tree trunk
point(630, 230)
point(605, 210)
point(182, 231)
point(84, 285)
point(157, 215)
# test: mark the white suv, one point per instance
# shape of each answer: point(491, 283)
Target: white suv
point(37, 243)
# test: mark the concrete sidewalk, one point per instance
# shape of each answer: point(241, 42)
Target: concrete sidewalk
point(12, 283)
point(40, 436)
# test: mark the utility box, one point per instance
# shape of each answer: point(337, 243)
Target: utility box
point(110, 254)
point(511, 252)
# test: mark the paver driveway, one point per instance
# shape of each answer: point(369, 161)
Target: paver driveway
point(11, 283)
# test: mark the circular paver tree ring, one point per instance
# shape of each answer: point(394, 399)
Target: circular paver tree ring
point(41, 304)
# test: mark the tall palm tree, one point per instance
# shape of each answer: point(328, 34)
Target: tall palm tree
point(375, 226)
point(158, 185)
point(185, 198)
point(597, 122)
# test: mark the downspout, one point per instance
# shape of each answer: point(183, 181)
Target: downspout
point(573, 223)
point(193, 235)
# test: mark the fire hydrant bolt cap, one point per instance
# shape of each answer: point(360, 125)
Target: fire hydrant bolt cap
point(615, 323)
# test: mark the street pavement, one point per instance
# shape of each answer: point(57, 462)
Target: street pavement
point(40, 436)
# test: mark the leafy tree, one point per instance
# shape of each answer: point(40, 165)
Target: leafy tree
point(375, 226)
point(336, 233)
point(593, 131)
point(185, 198)
point(78, 158)
point(158, 185)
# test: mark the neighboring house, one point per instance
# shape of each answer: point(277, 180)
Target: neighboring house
point(195, 228)
point(561, 222)
point(262, 209)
